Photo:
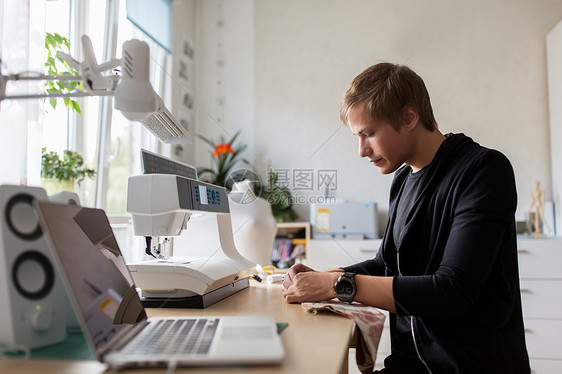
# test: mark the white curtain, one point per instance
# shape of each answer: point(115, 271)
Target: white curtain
point(22, 34)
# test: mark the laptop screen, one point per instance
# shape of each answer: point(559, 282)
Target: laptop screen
point(96, 273)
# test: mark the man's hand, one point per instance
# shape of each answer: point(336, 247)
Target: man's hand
point(302, 284)
point(293, 271)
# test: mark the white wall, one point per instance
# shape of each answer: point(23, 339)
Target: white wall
point(221, 72)
point(225, 73)
point(483, 62)
point(554, 63)
point(184, 25)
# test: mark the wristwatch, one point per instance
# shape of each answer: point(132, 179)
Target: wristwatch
point(345, 287)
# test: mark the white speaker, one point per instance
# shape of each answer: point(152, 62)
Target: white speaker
point(31, 293)
point(65, 197)
point(71, 198)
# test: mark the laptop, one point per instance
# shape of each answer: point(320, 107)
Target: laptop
point(113, 320)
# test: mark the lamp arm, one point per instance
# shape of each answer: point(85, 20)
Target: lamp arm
point(69, 60)
point(41, 77)
point(111, 64)
point(57, 95)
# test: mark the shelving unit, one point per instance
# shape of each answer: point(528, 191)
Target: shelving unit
point(326, 254)
point(290, 234)
point(541, 291)
point(541, 295)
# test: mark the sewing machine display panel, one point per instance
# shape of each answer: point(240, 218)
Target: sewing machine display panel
point(209, 197)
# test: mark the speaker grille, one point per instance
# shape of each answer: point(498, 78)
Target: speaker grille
point(21, 218)
point(33, 275)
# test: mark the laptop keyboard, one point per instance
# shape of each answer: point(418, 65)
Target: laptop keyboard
point(181, 336)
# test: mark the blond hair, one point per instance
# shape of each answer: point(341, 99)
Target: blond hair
point(386, 90)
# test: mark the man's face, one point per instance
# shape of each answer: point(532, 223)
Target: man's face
point(384, 147)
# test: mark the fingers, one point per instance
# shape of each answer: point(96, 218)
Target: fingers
point(290, 288)
point(292, 295)
point(310, 286)
point(293, 271)
point(292, 299)
point(287, 282)
point(299, 284)
point(288, 279)
point(300, 268)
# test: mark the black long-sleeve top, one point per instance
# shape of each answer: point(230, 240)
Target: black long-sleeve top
point(457, 279)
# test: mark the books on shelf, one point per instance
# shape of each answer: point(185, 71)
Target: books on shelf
point(290, 244)
point(282, 251)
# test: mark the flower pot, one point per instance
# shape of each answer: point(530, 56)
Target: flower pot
point(52, 185)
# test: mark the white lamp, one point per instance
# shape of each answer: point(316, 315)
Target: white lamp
point(134, 95)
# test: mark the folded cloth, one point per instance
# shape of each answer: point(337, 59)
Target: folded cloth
point(369, 322)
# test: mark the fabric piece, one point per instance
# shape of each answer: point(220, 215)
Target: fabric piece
point(369, 323)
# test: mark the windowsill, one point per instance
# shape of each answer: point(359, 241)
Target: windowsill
point(119, 219)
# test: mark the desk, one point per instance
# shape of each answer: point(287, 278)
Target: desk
point(313, 343)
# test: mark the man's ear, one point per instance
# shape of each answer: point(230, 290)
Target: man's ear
point(410, 117)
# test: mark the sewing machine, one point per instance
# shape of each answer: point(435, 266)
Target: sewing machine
point(161, 205)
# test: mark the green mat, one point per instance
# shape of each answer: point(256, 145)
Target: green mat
point(74, 347)
point(281, 326)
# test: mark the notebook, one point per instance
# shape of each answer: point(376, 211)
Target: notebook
point(105, 300)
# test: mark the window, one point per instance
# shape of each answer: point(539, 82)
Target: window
point(63, 128)
point(127, 138)
point(21, 51)
point(109, 143)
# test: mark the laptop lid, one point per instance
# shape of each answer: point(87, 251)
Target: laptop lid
point(96, 276)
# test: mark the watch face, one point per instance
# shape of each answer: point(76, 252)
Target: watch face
point(344, 288)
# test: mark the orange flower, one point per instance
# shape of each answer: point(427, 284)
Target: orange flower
point(222, 149)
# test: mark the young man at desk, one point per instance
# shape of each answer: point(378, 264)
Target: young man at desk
point(447, 267)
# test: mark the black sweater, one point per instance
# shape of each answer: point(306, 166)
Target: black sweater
point(457, 279)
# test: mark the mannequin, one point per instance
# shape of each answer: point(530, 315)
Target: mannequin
point(536, 212)
point(253, 224)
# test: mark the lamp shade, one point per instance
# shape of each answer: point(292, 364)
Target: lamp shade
point(134, 95)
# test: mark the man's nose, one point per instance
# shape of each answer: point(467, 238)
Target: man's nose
point(364, 149)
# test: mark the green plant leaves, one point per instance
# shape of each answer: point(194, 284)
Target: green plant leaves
point(56, 66)
point(280, 198)
point(68, 167)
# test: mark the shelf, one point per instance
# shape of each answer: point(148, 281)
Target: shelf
point(296, 225)
point(290, 234)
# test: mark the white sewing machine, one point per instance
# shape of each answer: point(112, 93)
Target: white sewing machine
point(161, 206)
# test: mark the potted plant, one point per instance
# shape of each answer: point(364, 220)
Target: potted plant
point(225, 155)
point(280, 198)
point(62, 172)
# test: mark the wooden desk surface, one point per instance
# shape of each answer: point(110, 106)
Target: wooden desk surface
point(313, 343)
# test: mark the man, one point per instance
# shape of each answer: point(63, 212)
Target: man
point(447, 267)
